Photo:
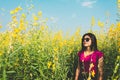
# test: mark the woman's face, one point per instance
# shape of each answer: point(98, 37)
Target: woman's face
point(87, 41)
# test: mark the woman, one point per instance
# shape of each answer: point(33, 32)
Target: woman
point(90, 61)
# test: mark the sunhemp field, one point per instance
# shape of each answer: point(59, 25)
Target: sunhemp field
point(90, 61)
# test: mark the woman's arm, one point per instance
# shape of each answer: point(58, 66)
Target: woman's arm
point(100, 68)
point(77, 71)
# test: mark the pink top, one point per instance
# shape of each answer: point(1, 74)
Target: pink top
point(92, 58)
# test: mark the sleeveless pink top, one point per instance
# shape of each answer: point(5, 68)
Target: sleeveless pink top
point(92, 58)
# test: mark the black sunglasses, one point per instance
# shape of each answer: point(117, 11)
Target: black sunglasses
point(86, 39)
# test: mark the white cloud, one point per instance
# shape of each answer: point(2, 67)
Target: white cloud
point(88, 3)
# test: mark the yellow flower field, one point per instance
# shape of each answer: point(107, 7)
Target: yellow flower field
point(30, 50)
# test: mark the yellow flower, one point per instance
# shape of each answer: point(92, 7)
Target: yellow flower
point(118, 24)
point(93, 73)
point(89, 78)
point(22, 25)
point(1, 53)
point(12, 12)
point(65, 42)
point(58, 36)
point(35, 18)
point(100, 24)
point(93, 21)
point(42, 27)
point(77, 33)
point(46, 19)
point(16, 64)
point(14, 19)
point(0, 26)
point(119, 50)
point(35, 24)
point(17, 30)
point(56, 49)
point(23, 15)
point(15, 10)
point(19, 8)
point(71, 50)
point(31, 74)
point(53, 67)
point(40, 13)
point(55, 58)
point(61, 44)
point(49, 64)
point(118, 1)
point(91, 66)
point(22, 41)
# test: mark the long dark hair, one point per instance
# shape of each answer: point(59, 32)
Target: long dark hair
point(93, 44)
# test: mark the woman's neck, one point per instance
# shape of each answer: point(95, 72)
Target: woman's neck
point(88, 49)
point(88, 52)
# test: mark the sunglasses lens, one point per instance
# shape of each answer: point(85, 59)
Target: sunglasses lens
point(86, 39)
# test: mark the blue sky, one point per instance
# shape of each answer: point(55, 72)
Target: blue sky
point(65, 15)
